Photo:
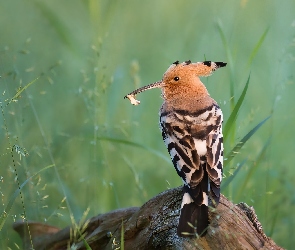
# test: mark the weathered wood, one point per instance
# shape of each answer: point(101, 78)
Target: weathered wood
point(153, 226)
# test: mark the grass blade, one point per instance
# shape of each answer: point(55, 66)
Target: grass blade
point(253, 167)
point(21, 90)
point(7, 209)
point(122, 237)
point(86, 244)
point(258, 45)
point(274, 220)
point(241, 143)
point(229, 179)
point(56, 22)
point(135, 144)
point(230, 60)
point(233, 116)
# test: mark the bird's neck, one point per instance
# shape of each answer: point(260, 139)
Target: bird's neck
point(175, 92)
point(186, 98)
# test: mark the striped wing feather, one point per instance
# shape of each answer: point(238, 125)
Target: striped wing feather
point(214, 163)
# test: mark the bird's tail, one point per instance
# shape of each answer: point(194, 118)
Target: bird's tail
point(193, 218)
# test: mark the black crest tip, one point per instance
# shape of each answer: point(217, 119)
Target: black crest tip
point(188, 62)
point(220, 64)
point(176, 62)
point(207, 63)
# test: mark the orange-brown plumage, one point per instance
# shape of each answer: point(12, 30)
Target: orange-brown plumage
point(189, 84)
point(188, 92)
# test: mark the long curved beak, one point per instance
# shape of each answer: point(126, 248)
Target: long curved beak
point(131, 96)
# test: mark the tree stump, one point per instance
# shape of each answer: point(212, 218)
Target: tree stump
point(153, 226)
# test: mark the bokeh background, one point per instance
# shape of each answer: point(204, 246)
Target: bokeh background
point(76, 148)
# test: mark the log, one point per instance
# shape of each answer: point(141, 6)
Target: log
point(152, 226)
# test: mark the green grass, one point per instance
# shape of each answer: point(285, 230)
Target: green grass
point(69, 140)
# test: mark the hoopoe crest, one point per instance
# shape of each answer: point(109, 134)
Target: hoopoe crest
point(191, 125)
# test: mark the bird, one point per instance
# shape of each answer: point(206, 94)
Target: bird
point(191, 127)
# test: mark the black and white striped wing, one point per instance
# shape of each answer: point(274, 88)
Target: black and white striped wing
point(214, 166)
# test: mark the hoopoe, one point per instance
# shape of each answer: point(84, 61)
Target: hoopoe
point(191, 125)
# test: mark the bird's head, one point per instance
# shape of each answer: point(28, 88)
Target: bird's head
point(181, 80)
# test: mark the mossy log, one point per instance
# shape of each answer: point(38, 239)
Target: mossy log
point(152, 226)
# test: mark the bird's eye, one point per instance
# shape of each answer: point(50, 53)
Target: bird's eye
point(176, 78)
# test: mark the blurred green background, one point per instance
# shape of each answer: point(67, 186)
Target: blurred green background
point(109, 154)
